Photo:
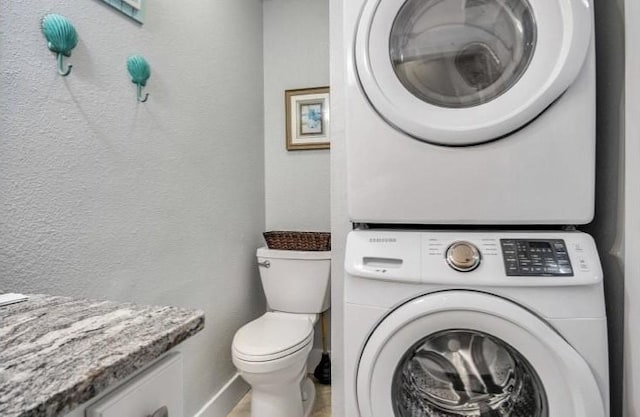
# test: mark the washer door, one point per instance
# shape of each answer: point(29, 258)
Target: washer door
point(460, 353)
point(462, 72)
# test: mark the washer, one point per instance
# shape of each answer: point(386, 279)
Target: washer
point(470, 111)
point(521, 333)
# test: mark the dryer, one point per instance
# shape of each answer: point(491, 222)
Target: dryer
point(474, 324)
point(470, 111)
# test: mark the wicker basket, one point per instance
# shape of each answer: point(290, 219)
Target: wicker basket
point(308, 241)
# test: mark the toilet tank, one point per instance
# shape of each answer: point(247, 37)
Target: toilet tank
point(295, 281)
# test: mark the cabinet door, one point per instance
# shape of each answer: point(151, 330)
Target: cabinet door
point(158, 386)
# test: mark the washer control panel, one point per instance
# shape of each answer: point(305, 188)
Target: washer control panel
point(536, 257)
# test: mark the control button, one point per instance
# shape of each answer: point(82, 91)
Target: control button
point(584, 267)
point(463, 256)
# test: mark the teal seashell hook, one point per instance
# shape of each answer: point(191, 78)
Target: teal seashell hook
point(140, 72)
point(61, 38)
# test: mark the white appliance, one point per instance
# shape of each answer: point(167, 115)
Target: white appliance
point(473, 324)
point(470, 111)
point(271, 351)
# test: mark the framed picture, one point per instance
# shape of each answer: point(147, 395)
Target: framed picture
point(135, 9)
point(307, 118)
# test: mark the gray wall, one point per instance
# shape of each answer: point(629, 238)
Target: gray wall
point(161, 202)
point(607, 227)
point(296, 55)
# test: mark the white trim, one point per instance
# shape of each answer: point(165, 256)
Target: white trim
point(224, 400)
point(631, 400)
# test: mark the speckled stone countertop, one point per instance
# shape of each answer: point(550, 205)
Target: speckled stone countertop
point(58, 352)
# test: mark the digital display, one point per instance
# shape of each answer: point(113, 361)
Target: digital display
point(540, 245)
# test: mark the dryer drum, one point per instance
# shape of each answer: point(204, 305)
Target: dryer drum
point(464, 54)
point(466, 373)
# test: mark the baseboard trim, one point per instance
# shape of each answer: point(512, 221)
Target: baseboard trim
point(224, 400)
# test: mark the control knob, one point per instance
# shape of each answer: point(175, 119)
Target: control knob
point(463, 256)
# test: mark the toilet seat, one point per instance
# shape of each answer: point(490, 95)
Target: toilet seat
point(272, 336)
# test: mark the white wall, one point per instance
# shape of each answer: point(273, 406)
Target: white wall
point(161, 202)
point(296, 55)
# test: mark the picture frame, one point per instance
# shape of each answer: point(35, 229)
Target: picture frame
point(307, 118)
point(135, 9)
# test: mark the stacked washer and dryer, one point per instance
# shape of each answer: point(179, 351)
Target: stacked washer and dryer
point(470, 129)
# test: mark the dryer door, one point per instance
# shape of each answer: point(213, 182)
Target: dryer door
point(462, 72)
point(460, 353)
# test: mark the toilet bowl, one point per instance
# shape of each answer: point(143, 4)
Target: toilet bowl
point(271, 352)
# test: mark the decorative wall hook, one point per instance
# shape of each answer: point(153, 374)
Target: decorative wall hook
point(140, 72)
point(61, 38)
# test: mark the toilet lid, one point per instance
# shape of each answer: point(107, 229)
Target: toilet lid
point(272, 336)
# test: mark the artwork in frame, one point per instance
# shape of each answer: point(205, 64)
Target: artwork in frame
point(307, 118)
point(135, 9)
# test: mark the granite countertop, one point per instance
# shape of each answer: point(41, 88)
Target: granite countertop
point(58, 352)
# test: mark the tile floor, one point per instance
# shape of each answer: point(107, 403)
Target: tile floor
point(322, 407)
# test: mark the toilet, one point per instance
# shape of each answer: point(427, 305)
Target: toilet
point(271, 352)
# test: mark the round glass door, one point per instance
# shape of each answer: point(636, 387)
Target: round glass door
point(425, 360)
point(464, 72)
point(461, 54)
point(466, 373)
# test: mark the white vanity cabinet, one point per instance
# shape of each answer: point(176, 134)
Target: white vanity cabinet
point(160, 385)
